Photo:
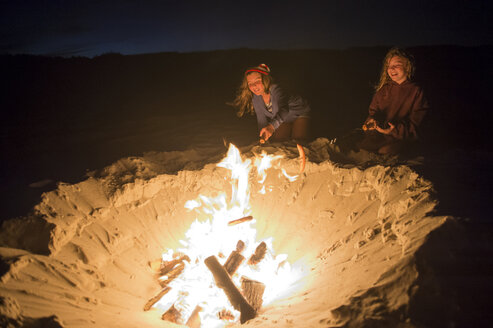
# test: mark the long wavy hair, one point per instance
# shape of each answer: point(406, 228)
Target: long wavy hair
point(243, 100)
point(408, 66)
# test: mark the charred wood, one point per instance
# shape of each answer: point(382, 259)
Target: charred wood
point(253, 291)
point(259, 254)
point(167, 266)
point(235, 259)
point(156, 298)
point(172, 315)
point(223, 281)
point(181, 312)
point(194, 320)
point(175, 272)
point(226, 315)
point(241, 220)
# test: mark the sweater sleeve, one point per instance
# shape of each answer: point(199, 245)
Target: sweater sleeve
point(374, 107)
point(283, 107)
point(407, 128)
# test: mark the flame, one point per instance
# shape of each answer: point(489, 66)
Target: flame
point(195, 285)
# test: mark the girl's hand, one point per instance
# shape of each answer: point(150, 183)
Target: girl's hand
point(385, 131)
point(267, 132)
point(370, 124)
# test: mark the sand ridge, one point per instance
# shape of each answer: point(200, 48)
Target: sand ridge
point(356, 229)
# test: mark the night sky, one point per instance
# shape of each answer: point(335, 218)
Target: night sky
point(91, 27)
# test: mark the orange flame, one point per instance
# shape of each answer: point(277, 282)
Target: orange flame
point(195, 286)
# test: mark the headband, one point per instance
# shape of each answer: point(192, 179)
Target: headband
point(262, 69)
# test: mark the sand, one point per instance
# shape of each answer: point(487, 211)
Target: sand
point(384, 242)
point(82, 258)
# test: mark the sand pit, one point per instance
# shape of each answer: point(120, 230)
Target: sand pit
point(82, 258)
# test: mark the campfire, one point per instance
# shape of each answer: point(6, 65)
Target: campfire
point(223, 274)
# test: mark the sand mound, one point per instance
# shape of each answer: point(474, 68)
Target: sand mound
point(81, 259)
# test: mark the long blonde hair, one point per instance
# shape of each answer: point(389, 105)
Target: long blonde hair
point(408, 65)
point(243, 100)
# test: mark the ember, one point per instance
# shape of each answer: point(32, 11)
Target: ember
point(203, 288)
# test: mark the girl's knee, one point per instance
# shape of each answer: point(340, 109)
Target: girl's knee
point(282, 133)
point(301, 128)
point(390, 149)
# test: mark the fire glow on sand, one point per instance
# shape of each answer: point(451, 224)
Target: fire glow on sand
point(193, 291)
point(259, 243)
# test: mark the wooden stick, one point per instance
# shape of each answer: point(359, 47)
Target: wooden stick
point(194, 320)
point(235, 258)
point(179, 312)
point(259, 254)
point(175, 272)
point(226, 315)
point(172, 315)
point(167, 266)
point(156, 298)
point(253, 292)
point(223, 281)
point(302, 157)
point(241, 220)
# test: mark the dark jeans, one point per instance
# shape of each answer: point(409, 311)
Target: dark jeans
point(297, 130)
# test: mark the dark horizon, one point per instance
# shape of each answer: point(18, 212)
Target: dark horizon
point(267, 50)
point(68, 28)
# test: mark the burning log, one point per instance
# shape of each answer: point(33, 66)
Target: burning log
point(241, 220)
point(259, 254)
point(156, 298)
point(235, 258)
point(172, 269)
point(226, 315)
point(175, 272)
point(253, 292)
point(194, 320)
point(167, 266)
point(172, 315)
point(223, 281)
point(181, 312)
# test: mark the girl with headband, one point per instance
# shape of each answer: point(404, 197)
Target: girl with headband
point(279, 117)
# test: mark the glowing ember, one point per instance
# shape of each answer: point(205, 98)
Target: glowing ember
point(231, 222)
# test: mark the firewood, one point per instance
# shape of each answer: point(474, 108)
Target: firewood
point(235, 258)
point(241, 220)
point(167, 266)
point(156, 298)
point(259, 254)
point(181, 311)
point(226, 315)
point(194, 320)
point(223, 281)
point(175, 272)
point(253, 292)
point(240, 246)
point(172, 315)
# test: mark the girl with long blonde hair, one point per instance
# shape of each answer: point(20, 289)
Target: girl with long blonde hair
point(279, 117)
point(397, 108)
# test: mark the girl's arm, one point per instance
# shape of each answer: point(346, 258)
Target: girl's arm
point(370, 122)
point(281, 100)
point(408, 128)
